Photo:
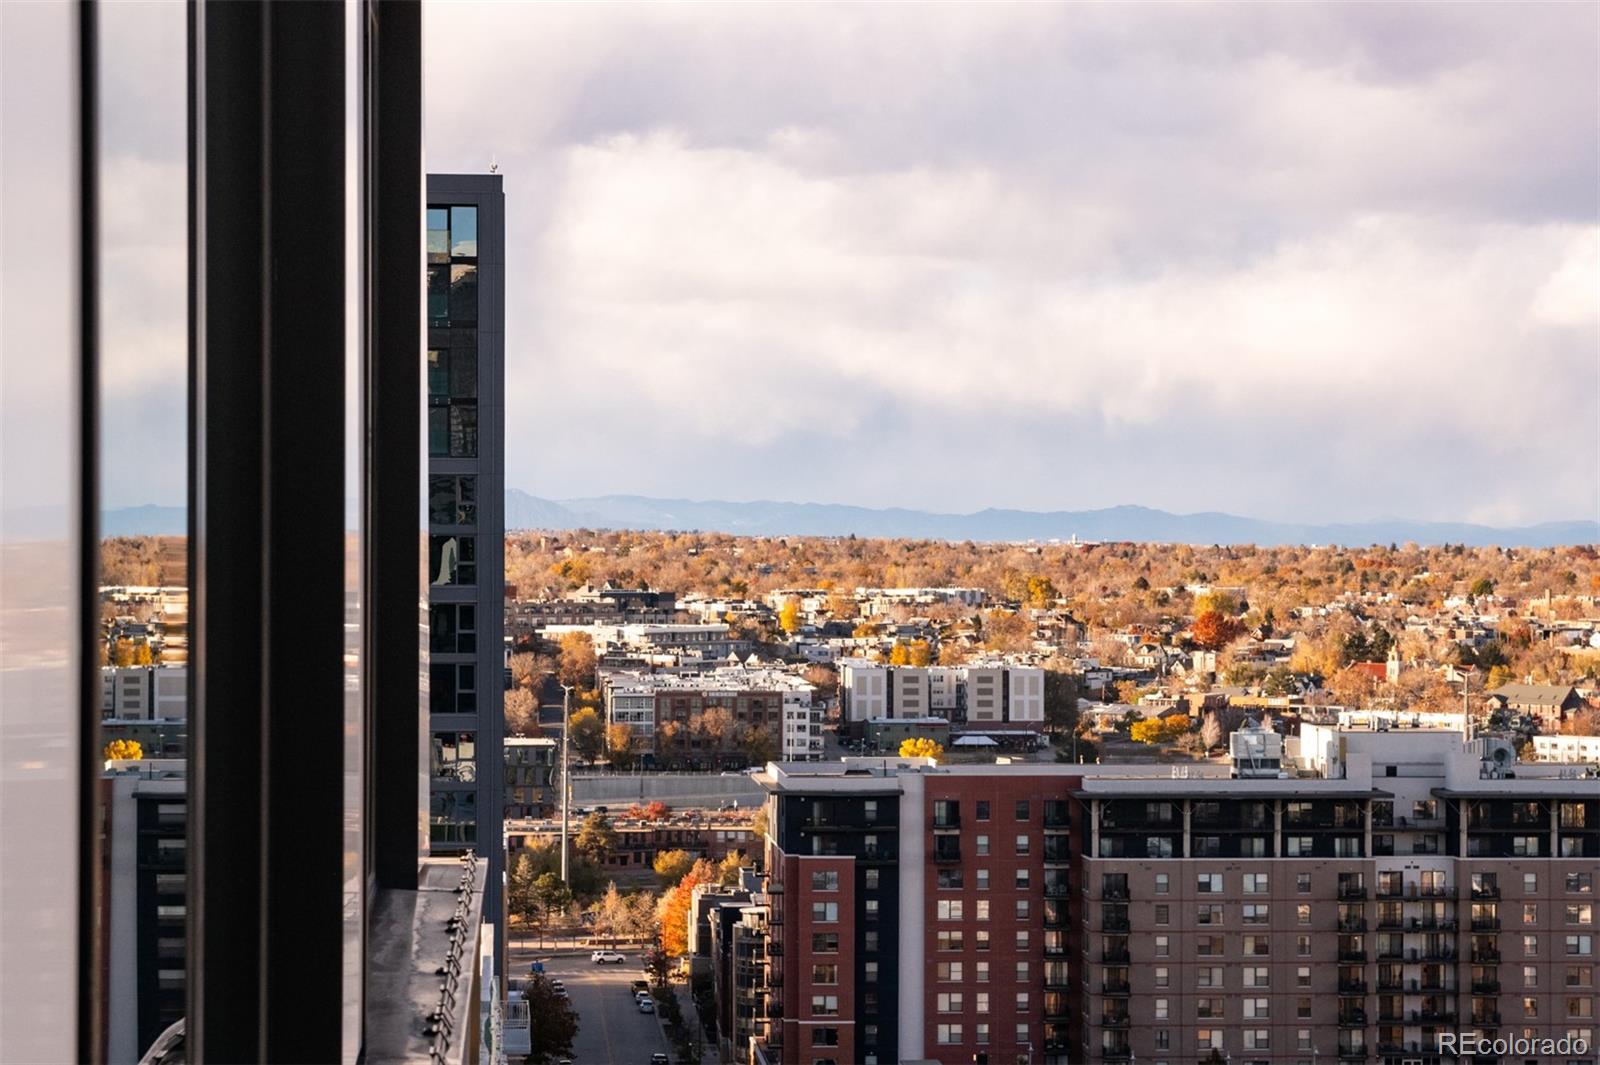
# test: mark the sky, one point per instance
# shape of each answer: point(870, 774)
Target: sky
point(1297, 262)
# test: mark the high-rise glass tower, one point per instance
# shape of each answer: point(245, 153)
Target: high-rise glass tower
point(466, 522)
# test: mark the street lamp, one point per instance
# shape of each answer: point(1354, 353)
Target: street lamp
point(566, 787)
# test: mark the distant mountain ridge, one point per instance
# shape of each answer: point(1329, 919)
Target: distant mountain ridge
point(770, 518)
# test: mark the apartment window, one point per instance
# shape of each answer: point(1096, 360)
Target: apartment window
point(824, 942)
point(981, 845)
point(870, 909)
point(1163, 1039)
point(1208, 913)
point(1022, 809)
point(453, 500)
point(1530, 946)
point(825, 912)
point(1023, 1001)
point(980, 939)
point(949, 939)
point(1256, 1009)
point(1163, 976)
point(1302, 1010)
point(1256, 883)
point(1302, 1038)
point(1022, 879)
point(1578, 913)
point(1022, 909)
point(1580, 883)
point(1022, 1033)
point(1580, 1008)
point(1022, 972)
point(1302, 976)
point(824, 1037)
point(983, 810)
point(825, 974)
point(1302, 883)
point(1208, 884)
point(980, 1033)
point(949, 1001)
point(1208, 976)
point(1530, 976)
point(1257, 1039)
point(1256, 913)
point(1302, 913)
point(869, 810)
point(1163, 946)
point(1161, 1013)
point(1163, 884)
point(1530, 913)
point(980, 972)
point(1022, 844)
point(453, 687)
point(825, 881)
point(1579, 976)
point(949, 1033)
point(980, 1002)
point(455, 756)
point(1022, 939)
point(1525, 846)
point(1297, 846)
point(949, 879)
point(453, 560)
point(1530, 1007)
point(1580, 946)
point(1530, 883)
point(453, 816)
point(1208, 1008)
point(948, 971)
point(1302, 946)
point(453, 628)
point(1260, 945)
point(1210, 1038)
point(981, 879)
point(824, 1005)
point(869, 943)
point(1257, 976)
point(949, 909)
point(1163, 914)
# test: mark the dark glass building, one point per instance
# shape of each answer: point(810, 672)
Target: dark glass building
point(466, 523)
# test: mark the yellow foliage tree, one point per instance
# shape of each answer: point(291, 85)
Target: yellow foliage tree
point(922, 747)
point(674, 909)
point(919, 653)
point(118, 750)
point(899, 655)
point(1159, 730)
point(789, 615)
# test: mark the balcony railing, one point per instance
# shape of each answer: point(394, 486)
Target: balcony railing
point(1487, 1019)
point(1353, 1019)
point(1114, 1020)
point(1352, 891)
point(1485, 924)
point(1352, 955)
point(1114, 955)
point(1486, 987)
point(1115, 987)
point(1109, 923)
point(1485, 891)
point(1352, 987)
point(1352, 924)
point(1485, 955)
point(1114, 891)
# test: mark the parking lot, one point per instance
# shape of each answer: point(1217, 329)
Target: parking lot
point(610, 1026)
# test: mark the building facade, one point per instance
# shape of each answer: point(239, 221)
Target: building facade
point(1386, 896)
point(999, 700)
point(466, 529)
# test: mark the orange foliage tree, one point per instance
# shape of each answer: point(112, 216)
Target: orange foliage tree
point(1214, 630)
point(674, 908)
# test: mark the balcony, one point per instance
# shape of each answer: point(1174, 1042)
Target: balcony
point(1352, 987)
point(1057, 888)
point(1486, 924)
point(1056, 849)
point(1056, 815)
point(1485, 955)
point(1486, 987)
point(1353, 1019)
point(1117, 923)
point(1114, 955)
point(1352, 924)
point(1114, 1020)
point(1390, 982)
point(1393, 889)
point(1115, 987)
point(1437, 1016)
point(1486, 1019)
point(1391, 921)
point(1485, 891)
point(1352, 891)
point(947, 849)
point(947, 820)
point(1438, 953)
point(1352, 955)
point(1114, 891)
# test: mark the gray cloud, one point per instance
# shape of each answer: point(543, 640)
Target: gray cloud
point(1303, 262)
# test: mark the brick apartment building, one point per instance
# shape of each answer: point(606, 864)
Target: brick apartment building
point(667, 714)
point(1387, 889)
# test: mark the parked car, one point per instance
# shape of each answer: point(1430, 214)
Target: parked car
point(607, 957)
point(639, 987)
point(647, 1005)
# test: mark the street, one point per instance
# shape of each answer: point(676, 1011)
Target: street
point(610, 1026)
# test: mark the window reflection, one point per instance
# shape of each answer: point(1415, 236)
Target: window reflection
point(463, 232)
point(455, 756)
point(452, 688)
point(453, 628)
point(463, 292)
point(453, 559)
point(453, 817)
point(453, 500)
point(439, 235)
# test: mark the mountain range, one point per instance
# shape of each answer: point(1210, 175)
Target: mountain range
point(769, 518)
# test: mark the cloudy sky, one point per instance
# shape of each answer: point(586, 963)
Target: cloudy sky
point(1296, 262)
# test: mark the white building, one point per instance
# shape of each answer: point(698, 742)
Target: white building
point(1001, 695)
point(144, 693)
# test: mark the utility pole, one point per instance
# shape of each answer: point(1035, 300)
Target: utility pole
point(566, 785)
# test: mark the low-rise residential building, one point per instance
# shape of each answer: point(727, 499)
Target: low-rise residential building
point(672, 720)
point(998, 699)
point(1548, 704)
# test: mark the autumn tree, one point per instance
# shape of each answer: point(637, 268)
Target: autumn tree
point(919, 653)
point(674, 907)
point(672, 866)
point(123, 750)
point(760, 745)
point(728, 869)
point(789, 615)
point(1159, 730)
point(619, 745)
point(586, 734)
point(521, 719)
point(576, 659)
point(1214, 630)
point(550, 898)
point(1211, 731)
point(1352, 686)
point(922, 747)
point(899, 654)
